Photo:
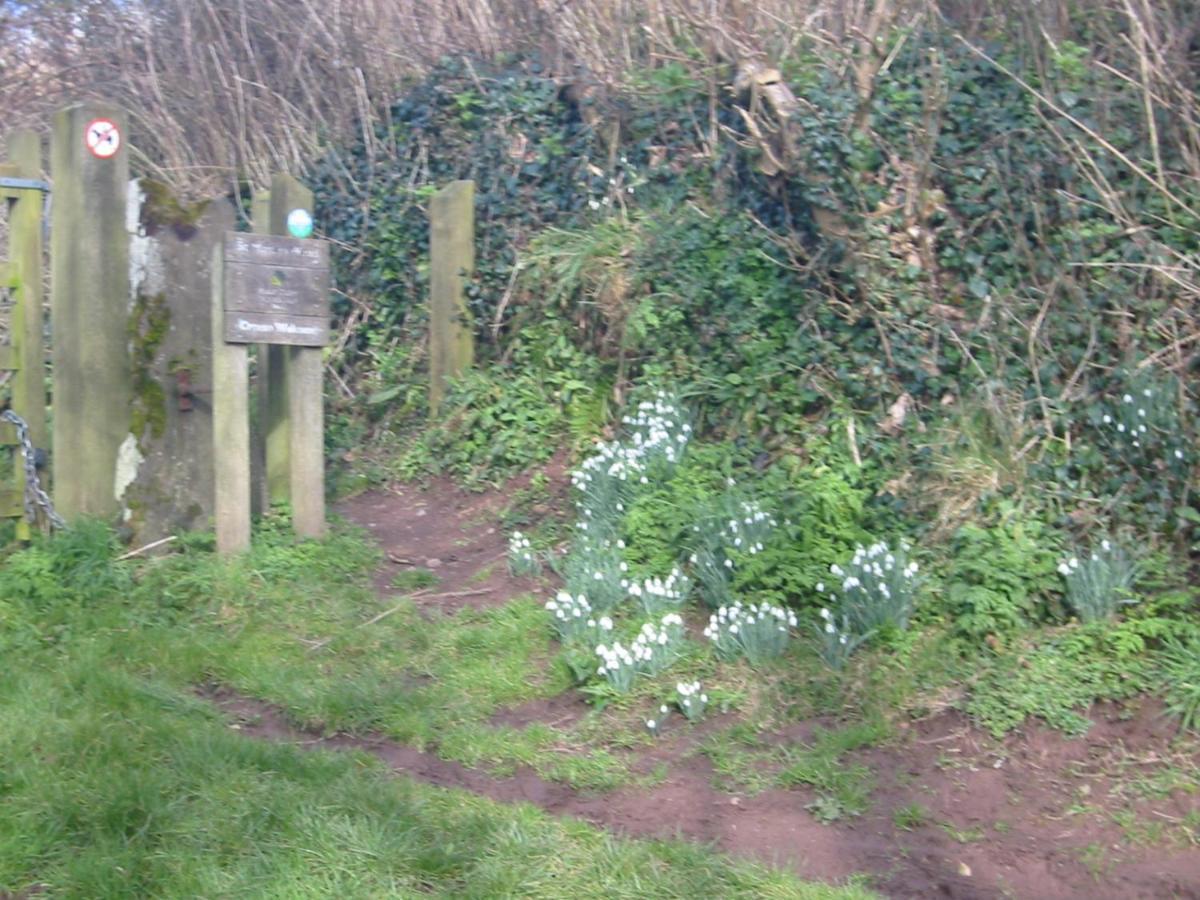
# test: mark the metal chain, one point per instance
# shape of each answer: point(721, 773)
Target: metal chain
point(34, 495)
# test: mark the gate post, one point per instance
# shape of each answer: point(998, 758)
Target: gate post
point(89, 256)
point(451, 265)
point(25, 356)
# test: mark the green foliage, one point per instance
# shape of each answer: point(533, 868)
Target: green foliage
point(1098, 583)
point(496, 422)
point(1000, 576)
point(658, 520)
point(821, 513)
point(1181, 674)
point(47, 589)
point(1055, 676)
point(843, 788)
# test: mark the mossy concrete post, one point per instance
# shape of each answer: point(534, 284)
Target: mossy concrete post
point(27, 322)
point(286, 194)
point(89, 311)
point(231, 425)
point(451, 266)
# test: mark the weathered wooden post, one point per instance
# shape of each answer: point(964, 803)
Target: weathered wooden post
point(231, 424)
point(270, 290)
point(27, 356)
point(451, 265)
point(260, 492)
point(89, 258)
point(286, 194)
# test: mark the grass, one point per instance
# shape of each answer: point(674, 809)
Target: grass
point(843, 789)
point(120, 782)
point(413, 580)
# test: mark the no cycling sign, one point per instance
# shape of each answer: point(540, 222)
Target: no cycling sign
point(103, 138)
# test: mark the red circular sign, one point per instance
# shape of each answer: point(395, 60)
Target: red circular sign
point(103, 138)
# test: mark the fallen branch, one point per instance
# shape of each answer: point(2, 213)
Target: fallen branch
point(423, 594)
point(140, 550)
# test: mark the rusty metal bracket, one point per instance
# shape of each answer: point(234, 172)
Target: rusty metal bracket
point(185, 393)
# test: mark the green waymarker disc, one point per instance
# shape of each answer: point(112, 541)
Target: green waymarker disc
point(299, 223)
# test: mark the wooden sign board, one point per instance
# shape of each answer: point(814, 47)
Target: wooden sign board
point(276, 290)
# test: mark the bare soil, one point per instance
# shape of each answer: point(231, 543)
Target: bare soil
point(953, 814)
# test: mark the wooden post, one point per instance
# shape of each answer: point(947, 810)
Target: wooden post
point(306, 413)
point(286, 194)
point(451, 265)
point(231, 425)
point(89, 257)
point(26, 326)
point(260, 494)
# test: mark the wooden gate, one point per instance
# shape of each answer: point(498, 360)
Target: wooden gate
point(22, 353)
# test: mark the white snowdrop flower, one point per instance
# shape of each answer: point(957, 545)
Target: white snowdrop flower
point(1143, 429)
point(1063, 569)
point(825, 614)
point(733, 629)
point(624, 567)
point(606, 623)
point(1095, 558)
point(1073, 562)
point(1179, 454)
point(1107, 419)
point(1142, 413)
point(663, 708)
point(1146, 392)
point(620, 545)
point(829, 628)
point(835, 569)
point(1121, 427)
point(821, 590)
point(704, 698)
point(597, 576)
point(1127, 398)
point(729, 563)
point(651, 724)
point(1105, 545)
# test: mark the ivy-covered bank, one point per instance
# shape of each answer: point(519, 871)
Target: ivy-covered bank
point(943, 316)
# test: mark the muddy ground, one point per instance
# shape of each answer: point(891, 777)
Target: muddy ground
point(1037, 815)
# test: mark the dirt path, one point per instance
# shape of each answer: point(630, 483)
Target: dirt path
point(1036, 816)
